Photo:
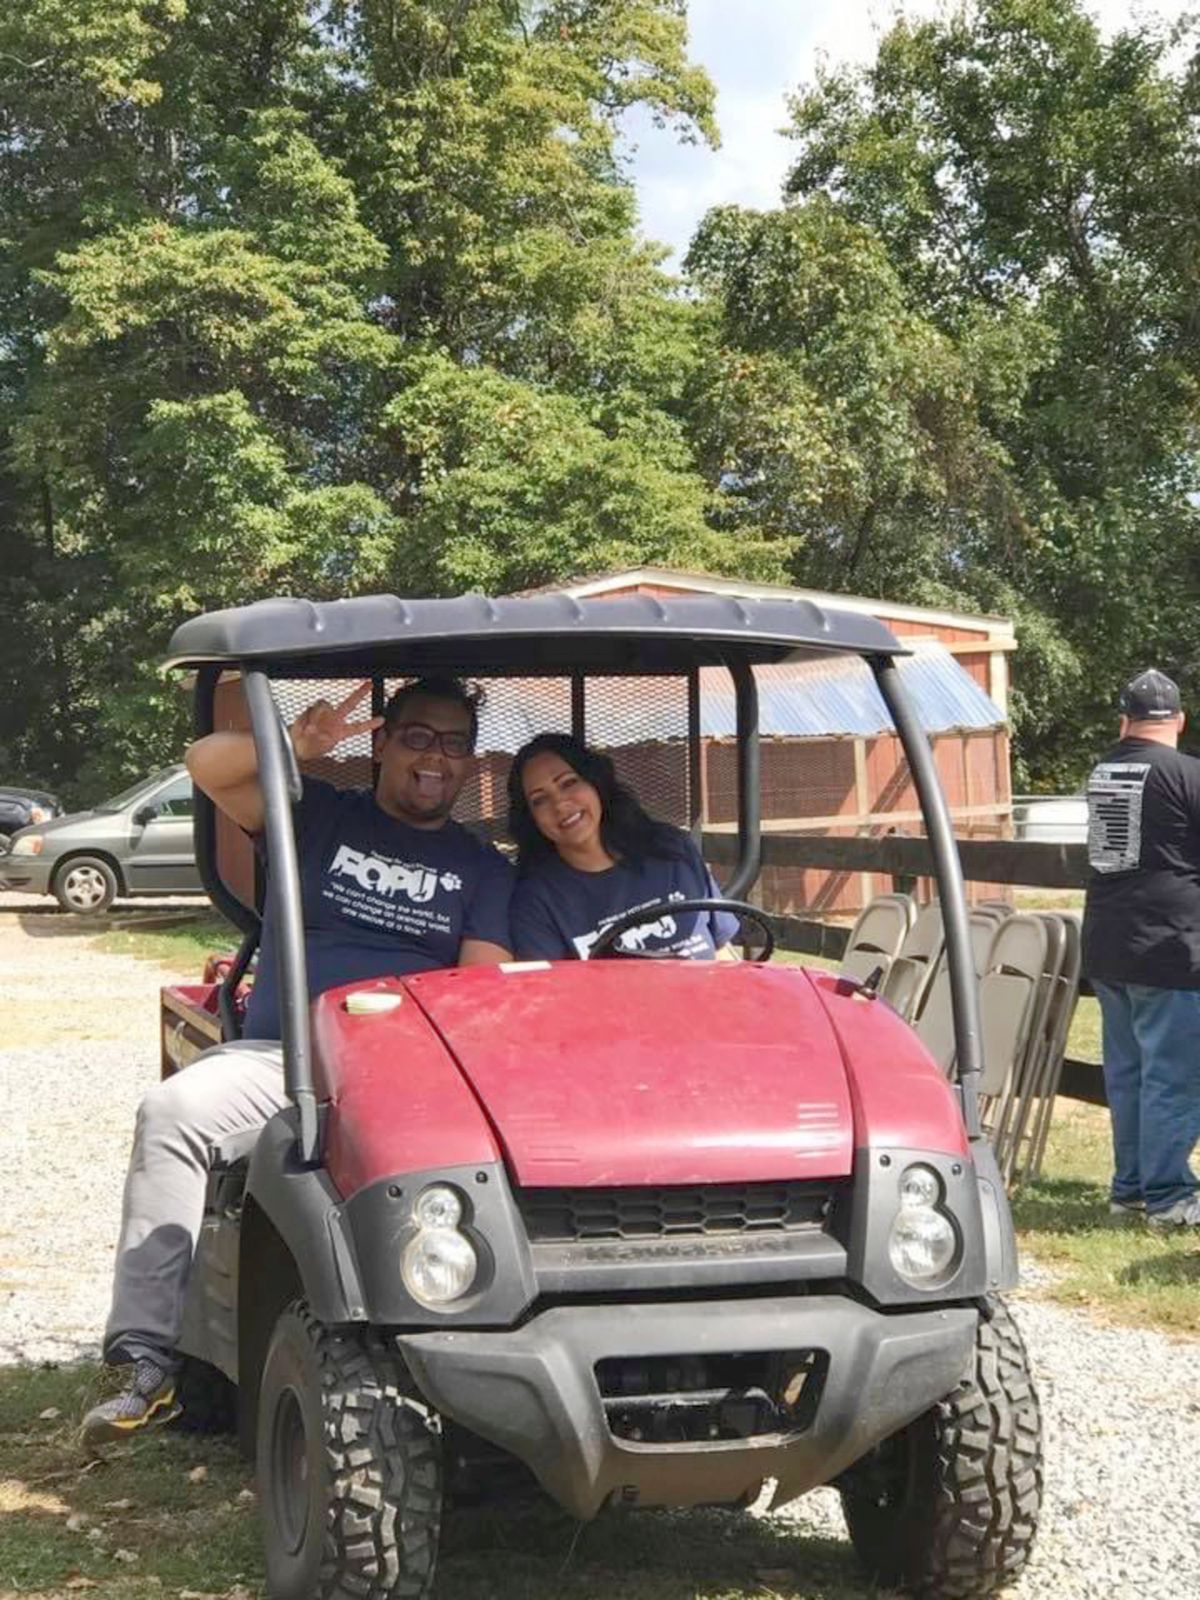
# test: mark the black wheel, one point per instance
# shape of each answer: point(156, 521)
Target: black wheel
point(349, 1467)
point(85, 884)
point(208, 1400)
point(948, 1507)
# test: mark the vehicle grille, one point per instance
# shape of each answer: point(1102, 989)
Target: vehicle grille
point(665, 1400)
point(566, 1215)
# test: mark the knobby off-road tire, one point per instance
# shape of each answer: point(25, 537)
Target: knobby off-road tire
point(349, 1467)
point(948, 1507)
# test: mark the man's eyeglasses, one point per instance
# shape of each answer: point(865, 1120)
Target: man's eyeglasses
point(419, 736)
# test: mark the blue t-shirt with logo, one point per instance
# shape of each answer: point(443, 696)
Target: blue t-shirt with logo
point(559, 912)
point(380, 897)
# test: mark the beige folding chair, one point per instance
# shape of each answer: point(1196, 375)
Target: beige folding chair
point(1017, 1113)
point(911, 973)
point(1009, 1000)
point(877, 935)
point(935, 1023)
point(1063, 1003)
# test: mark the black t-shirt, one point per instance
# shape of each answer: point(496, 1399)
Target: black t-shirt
point(1141, 922)
point(380, 897)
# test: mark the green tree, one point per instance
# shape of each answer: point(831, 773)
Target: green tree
point(833, 413)
point(1020, 169)
point(259, 261)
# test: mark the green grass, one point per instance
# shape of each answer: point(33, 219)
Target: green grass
point(1124, 1272)
point(179, 940)
point(160, 1516)
point(181, 1507)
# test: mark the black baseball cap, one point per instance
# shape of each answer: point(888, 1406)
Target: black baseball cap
point(1150, 697)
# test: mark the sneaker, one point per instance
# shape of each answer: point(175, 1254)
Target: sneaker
point(1127, 1210)
point(1183, 1214)
point(148, 1398)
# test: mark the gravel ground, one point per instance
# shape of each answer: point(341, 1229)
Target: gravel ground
point(79, 1043)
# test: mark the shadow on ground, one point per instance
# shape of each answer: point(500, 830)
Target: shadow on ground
point(1175, 1271)
point(1062, 1205)
point(51, 922)
point(174, 1512)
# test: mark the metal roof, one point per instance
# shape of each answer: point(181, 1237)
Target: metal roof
point(838, 694)
point(825, 697)
point(551, 633)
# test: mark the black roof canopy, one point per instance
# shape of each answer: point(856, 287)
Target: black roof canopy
point(546, 633)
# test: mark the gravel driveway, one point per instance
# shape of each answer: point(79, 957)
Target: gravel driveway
point(79, 1043)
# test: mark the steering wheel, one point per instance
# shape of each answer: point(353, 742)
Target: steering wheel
point(605, 944)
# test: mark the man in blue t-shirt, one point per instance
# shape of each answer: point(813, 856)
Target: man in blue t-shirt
point(390, 884)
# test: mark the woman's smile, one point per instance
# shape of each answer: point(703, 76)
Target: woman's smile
point(567, 810)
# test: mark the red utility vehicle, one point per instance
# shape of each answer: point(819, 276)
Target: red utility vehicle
point(658, 1232)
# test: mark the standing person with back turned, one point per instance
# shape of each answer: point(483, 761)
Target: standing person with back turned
point(389, 885)
point(1141, 950)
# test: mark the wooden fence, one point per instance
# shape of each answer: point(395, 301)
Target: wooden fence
point(1005, 861)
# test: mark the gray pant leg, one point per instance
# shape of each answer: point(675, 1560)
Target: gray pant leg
point(225, 1091)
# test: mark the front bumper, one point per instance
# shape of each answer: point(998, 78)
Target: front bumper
point(533, 1391)
point(26, 873)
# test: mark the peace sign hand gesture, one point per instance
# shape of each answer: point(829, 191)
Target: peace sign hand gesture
point(322, 727)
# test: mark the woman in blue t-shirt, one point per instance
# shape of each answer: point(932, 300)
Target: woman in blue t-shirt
point(588, 853)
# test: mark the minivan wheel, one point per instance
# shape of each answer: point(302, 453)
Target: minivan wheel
point(85, 884)
point(349, 1467)
point(948, 1507)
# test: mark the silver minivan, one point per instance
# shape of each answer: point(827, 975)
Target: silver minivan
point(138, 843)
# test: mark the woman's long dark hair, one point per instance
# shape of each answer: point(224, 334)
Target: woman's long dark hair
point(627, 831)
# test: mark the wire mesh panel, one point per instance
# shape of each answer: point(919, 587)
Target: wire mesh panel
point(642, 725)
point(512, 711)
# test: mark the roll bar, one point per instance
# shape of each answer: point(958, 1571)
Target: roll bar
point(749, 780)
point(964, 993)
point(279, 778)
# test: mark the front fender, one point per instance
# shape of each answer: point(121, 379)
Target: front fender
point(305, 1210)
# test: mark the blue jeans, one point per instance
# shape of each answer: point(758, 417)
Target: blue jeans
point(1152, 1075)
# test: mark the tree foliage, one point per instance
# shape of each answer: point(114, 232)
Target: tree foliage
point(320, 299)
point(1023, 172)
point(329, 297)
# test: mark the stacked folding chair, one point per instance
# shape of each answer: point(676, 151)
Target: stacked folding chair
point(1030, 1126)
point(1027, 994)
point(877, 936)
point(911, 973)
point(934, 1022)
point(1028, 969)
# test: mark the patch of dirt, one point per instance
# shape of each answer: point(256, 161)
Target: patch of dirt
point(58, 987)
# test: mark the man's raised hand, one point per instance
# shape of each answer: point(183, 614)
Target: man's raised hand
point(323, 726)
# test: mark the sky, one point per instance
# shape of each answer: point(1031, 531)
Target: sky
point(757, 52)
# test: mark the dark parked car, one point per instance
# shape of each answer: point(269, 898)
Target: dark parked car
point(140, 842)
point(20, 807)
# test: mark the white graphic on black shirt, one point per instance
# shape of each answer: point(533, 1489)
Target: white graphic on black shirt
point(389, 895)
point(1115, 793)
point(660, 935)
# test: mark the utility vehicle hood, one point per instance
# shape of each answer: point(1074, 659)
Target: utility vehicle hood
point(630, 1072)
point(623, 1073)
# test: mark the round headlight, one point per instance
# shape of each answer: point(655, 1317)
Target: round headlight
point(438, 1207)
point(439, 1266)
point(919, 1186)
point(921, 1245)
